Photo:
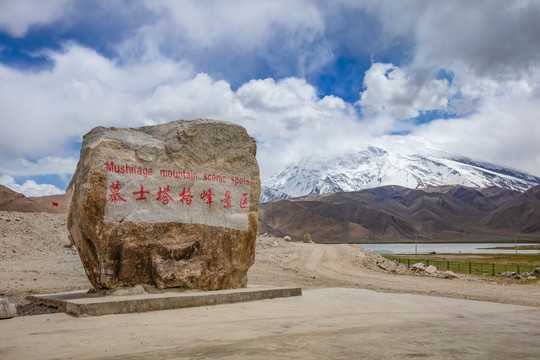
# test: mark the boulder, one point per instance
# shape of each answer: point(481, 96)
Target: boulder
point(418, 267)
point(431, 269)
point(7, 309)
point(536, 272)
point(171, 205)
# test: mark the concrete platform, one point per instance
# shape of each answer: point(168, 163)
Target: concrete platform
point(82, 303)
point(333, 323)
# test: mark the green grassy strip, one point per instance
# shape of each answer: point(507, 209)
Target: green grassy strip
point(466, 267)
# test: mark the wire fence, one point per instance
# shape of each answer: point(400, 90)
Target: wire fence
point(468, 267)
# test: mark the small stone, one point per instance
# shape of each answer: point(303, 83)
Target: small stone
point(518, 277)
point(508, 273)
point(531, 277)
point(275, 244)
point(287, 238)
point(449, 275)
point(307, 239)
point(7, 309)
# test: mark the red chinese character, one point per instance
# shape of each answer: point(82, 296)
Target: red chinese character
point(244, 202)
point(163, 195)
point(142, 192)
point(208, 197)
point(115, 197)
point(186, 195)
point(227, 200)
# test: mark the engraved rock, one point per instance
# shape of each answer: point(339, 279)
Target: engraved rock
point(172, 205)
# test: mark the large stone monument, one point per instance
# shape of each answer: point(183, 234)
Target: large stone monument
point(172, 205)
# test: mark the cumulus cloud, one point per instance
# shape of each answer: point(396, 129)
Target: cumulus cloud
point(390, 91)
point(234, 42)
point(190, 59)
point(17, 16)
point(85, 89)
point(48, 110)
point(30, 187)
point(503, 131)
point(47, 165)
point(496, 39)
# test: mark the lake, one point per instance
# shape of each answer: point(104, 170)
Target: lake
point(480, 248)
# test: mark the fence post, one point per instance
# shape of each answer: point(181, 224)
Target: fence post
point(448, 265)
point(408, 263)
point(493, 269)
point(469, 267)
point(427, 262)
point(518, 269)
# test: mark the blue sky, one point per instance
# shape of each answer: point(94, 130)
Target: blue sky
point(303, 77)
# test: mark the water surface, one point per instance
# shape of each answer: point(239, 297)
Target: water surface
point(478, 248)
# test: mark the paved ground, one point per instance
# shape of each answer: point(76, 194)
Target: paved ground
point(335, 323)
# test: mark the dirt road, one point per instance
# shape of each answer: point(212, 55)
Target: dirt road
point(324, 265)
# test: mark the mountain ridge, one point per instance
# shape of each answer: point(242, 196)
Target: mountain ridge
point(375, 167)
point(13, 201)
point(399, 214)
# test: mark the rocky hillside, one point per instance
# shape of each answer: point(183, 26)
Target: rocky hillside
point(13, 201)
point(395, 213)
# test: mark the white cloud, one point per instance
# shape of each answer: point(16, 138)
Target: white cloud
point(209, 23)
point(389, 91)
point(291, 122)
point(234, 40)
point(17, 16)
point(156, 78)
point(494, 39)
point(30, 187)
point(44, 112)
point(85, 89)
point(504, 131)
point(43, 166)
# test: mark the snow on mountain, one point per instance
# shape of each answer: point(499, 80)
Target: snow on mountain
point(375, 167)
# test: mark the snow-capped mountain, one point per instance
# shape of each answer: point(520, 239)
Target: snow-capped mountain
point(375, 167)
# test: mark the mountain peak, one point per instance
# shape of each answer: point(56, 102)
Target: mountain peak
point(375, 167)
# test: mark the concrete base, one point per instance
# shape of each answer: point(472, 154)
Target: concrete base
point(82, 303)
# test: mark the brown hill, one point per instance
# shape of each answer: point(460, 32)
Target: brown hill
point(13, 201)
point(394, 213)
point(521, 214)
